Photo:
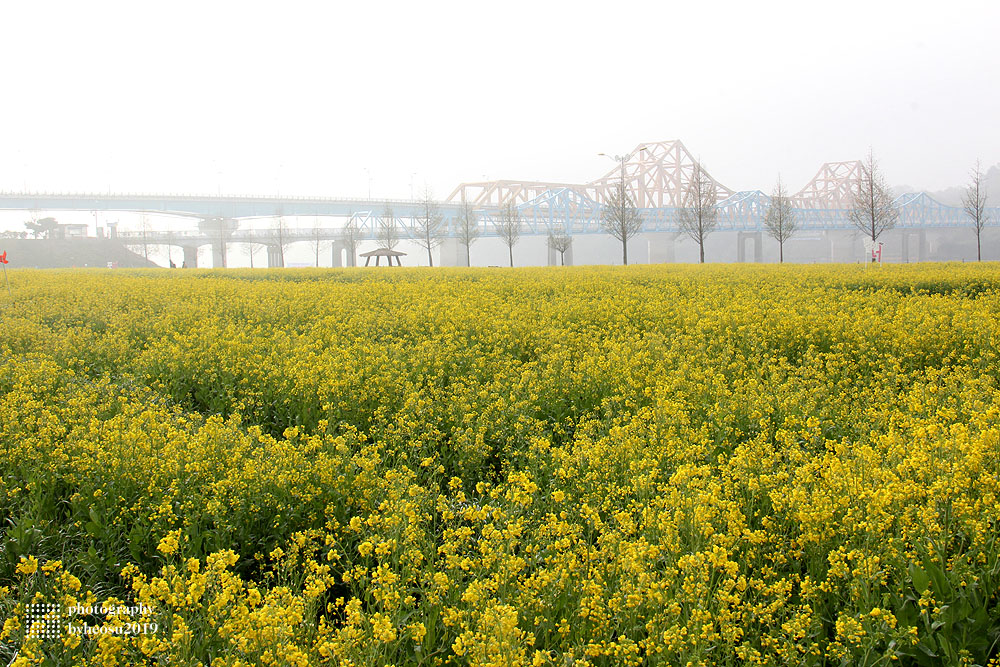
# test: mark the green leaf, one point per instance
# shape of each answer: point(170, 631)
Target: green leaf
point(920, 579)
point(941, 585)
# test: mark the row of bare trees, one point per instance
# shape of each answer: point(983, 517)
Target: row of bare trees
point(872, 211)
point(430, 232)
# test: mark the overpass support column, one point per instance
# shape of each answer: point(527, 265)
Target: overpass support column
point(452, 253)
point(274, 257)
point(555, 259)
point(741, 240)
point(191, 257)
point(338, 251)
point(921, 244)
point(661, 248)
point(218, 254)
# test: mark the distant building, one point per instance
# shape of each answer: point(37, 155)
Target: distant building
point(70, 230)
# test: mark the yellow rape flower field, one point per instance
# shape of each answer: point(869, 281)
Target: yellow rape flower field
point(644, 465)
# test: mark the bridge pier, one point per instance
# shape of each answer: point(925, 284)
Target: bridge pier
point(921, 235)
point(274, 257)
point(190, 257)
point(741, 248)
point(337, 250)
point(452, 253)
point(661, 248)
point(556, 260)
point(218, 254)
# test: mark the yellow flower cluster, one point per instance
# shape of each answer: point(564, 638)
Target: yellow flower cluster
point(588, 466)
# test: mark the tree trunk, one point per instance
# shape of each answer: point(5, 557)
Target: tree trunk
point(468, 255)
point(562, 258)
point(510, 249)
point(701, 250)
point(781, 252)
point(979, 249)
point(624, 253)
point(430, 260)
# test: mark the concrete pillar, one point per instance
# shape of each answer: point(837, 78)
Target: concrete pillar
point(190, 257)
point(274, 257)
point(556, 258)
point(339, 251)
point(218, 254)
point(452, 253)
point(921, 236)
point(661, 248)
point(741, 247)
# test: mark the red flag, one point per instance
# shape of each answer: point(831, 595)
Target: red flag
point(3, 257)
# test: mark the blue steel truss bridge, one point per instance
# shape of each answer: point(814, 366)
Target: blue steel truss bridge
point(657, 177)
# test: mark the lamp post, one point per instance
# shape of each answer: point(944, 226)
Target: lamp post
point(621, 160)
point(621, 219)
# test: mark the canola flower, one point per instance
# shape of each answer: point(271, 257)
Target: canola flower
point(656, 465)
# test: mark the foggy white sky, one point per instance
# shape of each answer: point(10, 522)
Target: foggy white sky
point(303, 98)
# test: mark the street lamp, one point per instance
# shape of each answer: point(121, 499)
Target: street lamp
point(621, 218)
point(622, 159)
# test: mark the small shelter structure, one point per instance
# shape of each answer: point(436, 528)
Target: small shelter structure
point(379, 253)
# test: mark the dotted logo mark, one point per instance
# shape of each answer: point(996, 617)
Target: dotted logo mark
point(44, 621)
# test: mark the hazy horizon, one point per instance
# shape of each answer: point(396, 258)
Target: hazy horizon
point(336, 101)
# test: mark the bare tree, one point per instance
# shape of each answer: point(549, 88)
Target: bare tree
point(316, 240)
point(620, 217)
point(143, 242)
point(699, 217)
point(170, 247)
point(508, 227)
point(351, 236)
point(387, 234)
point(561, 242)
point(974, 204)
point(468, 229)
point(281, 238)
point(872, 211)
point(779, 220)
point(251, 249)
point(221, 229)
point(428, 225)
